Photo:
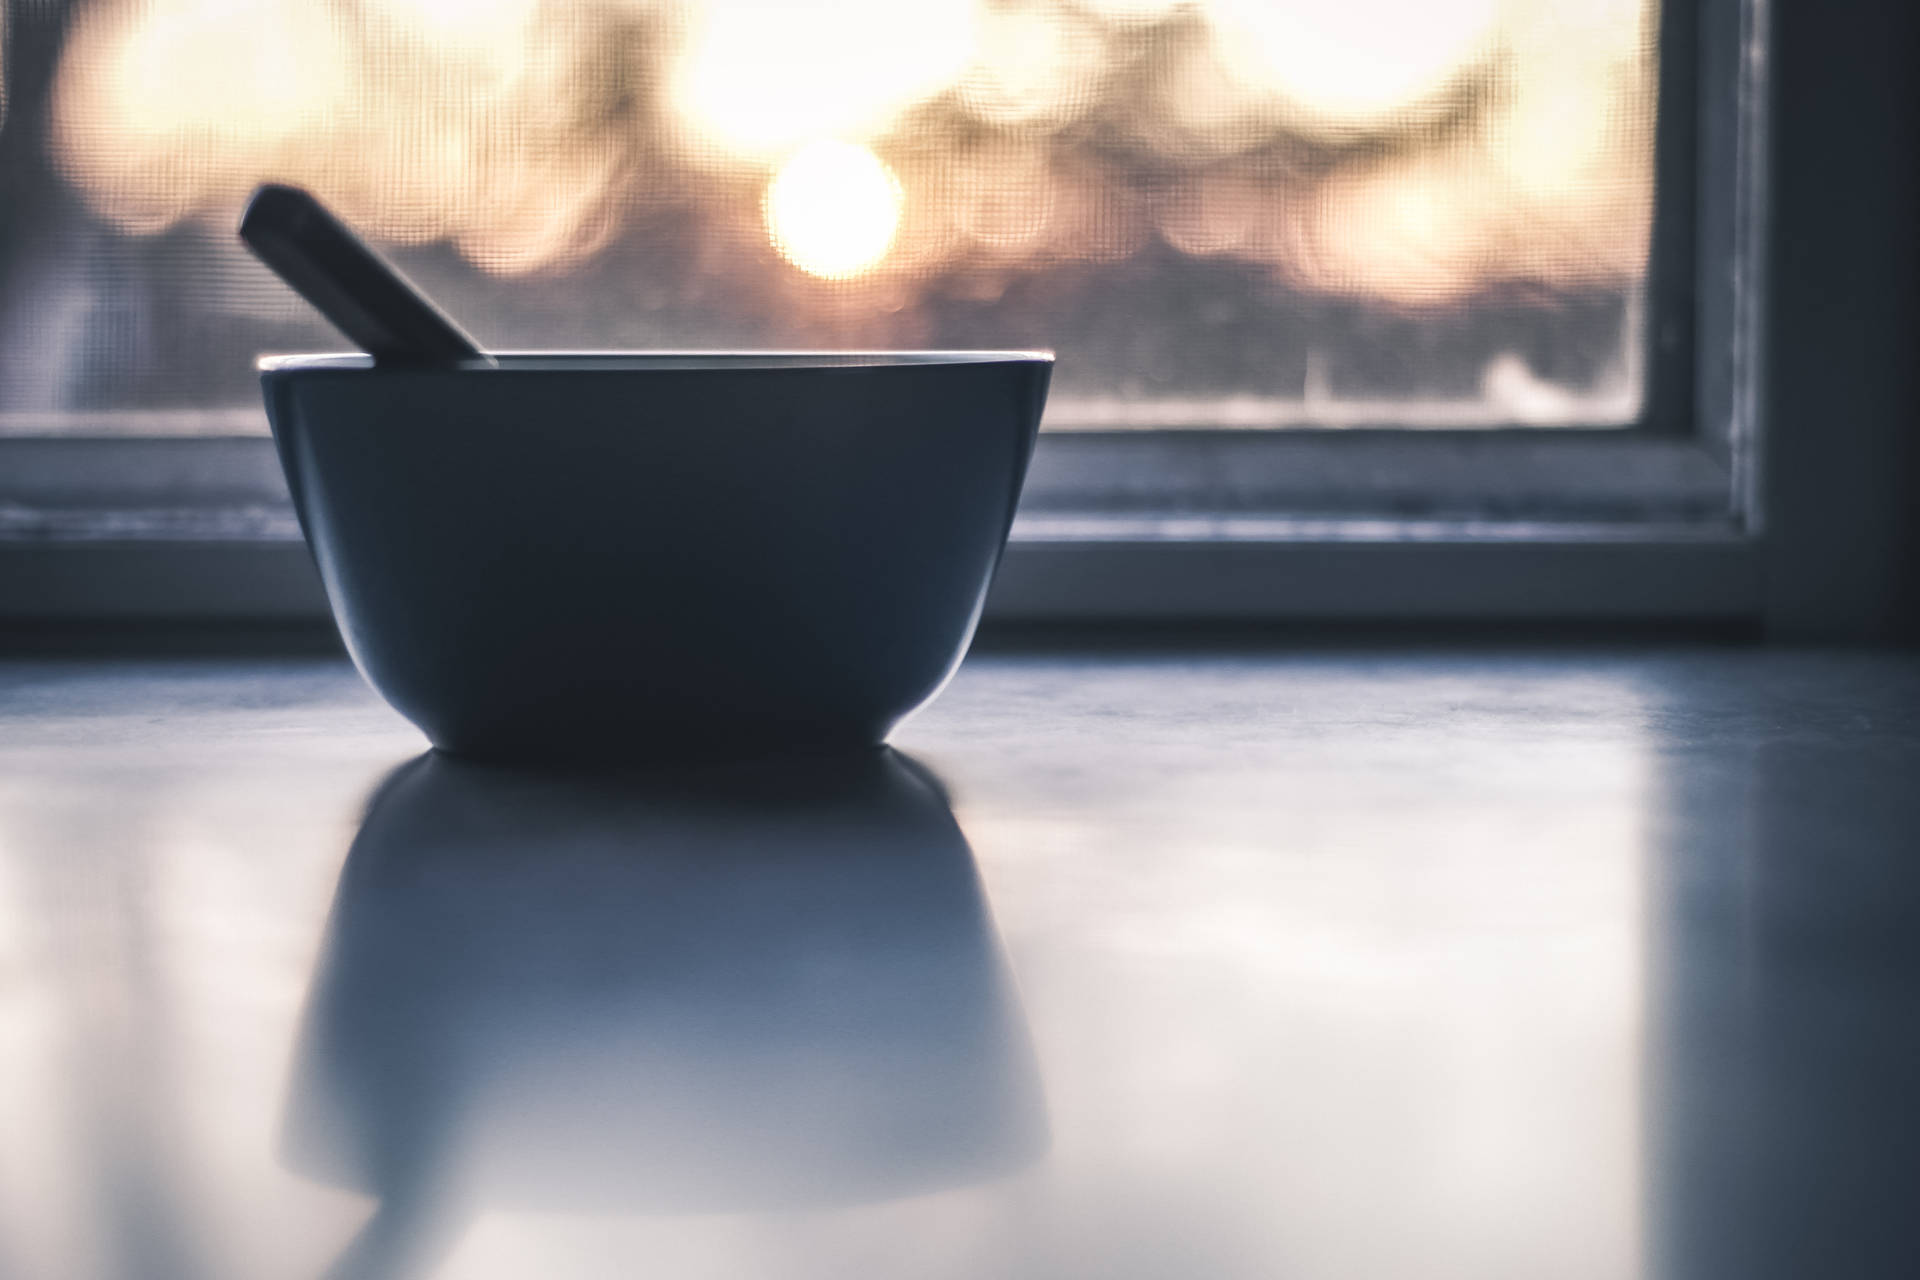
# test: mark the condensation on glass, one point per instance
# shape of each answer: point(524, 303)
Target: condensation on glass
point(1249, 213)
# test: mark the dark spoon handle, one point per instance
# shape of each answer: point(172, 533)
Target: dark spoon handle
point(347, 282)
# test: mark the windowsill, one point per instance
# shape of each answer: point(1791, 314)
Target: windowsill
point(1267, 921)
point(1536, 574)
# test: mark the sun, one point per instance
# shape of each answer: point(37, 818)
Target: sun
point(833, 209)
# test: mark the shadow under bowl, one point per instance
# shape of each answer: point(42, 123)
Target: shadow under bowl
point(638, 556)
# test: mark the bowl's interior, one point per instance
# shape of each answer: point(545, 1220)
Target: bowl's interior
point(651, 360)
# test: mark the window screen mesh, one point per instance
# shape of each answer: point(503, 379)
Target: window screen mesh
point(1218, 212)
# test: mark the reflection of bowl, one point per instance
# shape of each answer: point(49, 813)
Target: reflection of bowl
point(747, 987)
point(594, 554)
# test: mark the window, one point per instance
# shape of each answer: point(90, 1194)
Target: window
point(1408, 273)
point(1235, 213)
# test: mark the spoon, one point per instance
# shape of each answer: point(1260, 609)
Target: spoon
point(347, 282)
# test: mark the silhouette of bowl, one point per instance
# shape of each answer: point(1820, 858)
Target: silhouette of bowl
point(598, 556)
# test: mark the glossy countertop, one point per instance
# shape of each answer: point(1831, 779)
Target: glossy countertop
point(1384, 963)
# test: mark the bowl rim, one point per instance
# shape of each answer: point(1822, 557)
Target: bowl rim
point(655, 361)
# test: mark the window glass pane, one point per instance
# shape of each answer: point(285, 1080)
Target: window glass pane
point(1238, 212)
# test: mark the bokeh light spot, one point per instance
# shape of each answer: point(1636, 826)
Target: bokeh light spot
point(833, 208)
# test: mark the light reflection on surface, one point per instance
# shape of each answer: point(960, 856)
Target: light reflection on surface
point(1334, 963)
point(43, 1227)
point(770, 987)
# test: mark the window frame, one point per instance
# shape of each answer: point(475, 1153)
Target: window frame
point(1696, 549)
